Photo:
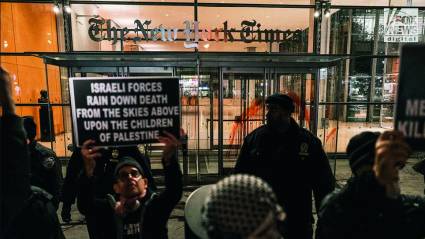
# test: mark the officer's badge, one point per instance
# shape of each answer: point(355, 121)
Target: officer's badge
point(48, 162)
point(115, 153)
point(303, 150)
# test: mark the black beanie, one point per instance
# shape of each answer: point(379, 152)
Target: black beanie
point(128, 161)
point(282, 100)
point(361, 149)
point(30, 127)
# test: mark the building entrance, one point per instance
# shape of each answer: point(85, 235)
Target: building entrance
point(222, 95)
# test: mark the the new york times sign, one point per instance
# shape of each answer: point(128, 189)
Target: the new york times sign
point(124, 110)
point(251, 31)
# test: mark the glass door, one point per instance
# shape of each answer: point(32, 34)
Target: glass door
point(243, 91)
point(199, 104)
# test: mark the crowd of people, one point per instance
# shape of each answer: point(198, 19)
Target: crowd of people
point(280, 169)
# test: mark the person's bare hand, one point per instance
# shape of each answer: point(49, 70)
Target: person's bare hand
point(6, 99)
point(391, 153)
point(90, 154)
point(171, 146)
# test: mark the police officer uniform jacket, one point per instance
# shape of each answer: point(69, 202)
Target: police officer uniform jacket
point(46, 170)
point(295, 165)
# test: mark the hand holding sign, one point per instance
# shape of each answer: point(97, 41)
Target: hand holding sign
point(391, 153)
point(171, 146)
point(90, 154)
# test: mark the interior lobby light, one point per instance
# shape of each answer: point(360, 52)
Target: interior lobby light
point(56, 9)
point(206, 46)
point(327, 13)
point(68, 9)
point(327, 9)
point(317, 9)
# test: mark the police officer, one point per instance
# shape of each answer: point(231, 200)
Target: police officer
point(292, 161)
point(46, 168)
point(104, 179)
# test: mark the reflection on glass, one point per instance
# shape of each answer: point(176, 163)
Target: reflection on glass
point(254, 30)
point(130, 28)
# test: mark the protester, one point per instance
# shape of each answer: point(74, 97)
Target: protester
point(242, 206)
point(109, 161)
point(46, 168)
point(134, 211)
point(370, 205)
point(292, 161)
point(26, 212)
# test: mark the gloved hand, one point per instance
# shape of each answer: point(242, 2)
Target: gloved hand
point(66, 213)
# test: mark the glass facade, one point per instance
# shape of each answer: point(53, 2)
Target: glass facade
point(360, 92)
point(220, 102)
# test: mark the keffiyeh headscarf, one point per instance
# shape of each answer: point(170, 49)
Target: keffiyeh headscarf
point(238, 205)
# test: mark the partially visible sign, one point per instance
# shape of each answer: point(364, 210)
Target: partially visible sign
point(401, 25)
point(120, 111)
point(410, 108)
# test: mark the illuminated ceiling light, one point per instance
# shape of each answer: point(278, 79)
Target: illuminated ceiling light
point(206, 46)
point(327, 9)
point(167, 15)
point(317, 9)
point(68, 9)
point(56, 9)
point(5, 44)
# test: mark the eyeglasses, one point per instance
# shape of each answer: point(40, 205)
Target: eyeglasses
point(123, 175)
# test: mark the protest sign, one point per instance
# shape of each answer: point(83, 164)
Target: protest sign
point(118, 111)
point(410, 106)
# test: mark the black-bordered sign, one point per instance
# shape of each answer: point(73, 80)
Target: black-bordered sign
point(410, 108)
point(118, 111)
